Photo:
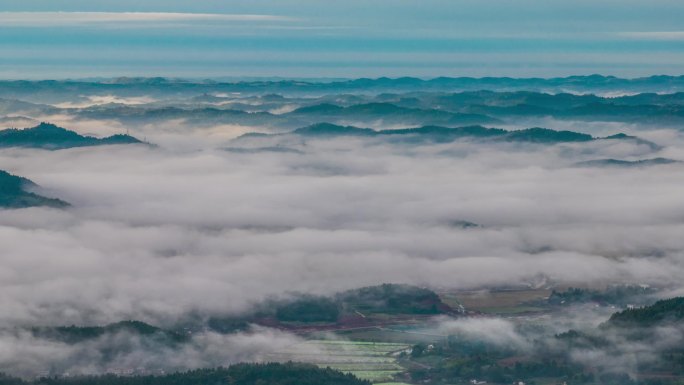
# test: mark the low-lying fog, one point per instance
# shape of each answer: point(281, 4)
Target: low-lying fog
point(196, 226)
point(154, 233)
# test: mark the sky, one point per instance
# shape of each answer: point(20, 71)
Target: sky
point(46, 39)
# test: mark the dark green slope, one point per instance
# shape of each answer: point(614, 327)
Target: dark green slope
point(239, 374)
point(331, 130)
point(14, 193)
point(395, 299)
point(51, 137)
point(75, 334)
point(544, 135)
point(392, 299)
point(667, 310)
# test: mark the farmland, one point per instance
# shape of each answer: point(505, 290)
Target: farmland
point(374, 361)
point(500, 302)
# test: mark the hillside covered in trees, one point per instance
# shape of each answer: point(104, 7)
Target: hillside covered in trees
point(667, 310)
point(14, 193)
point(240, 374)
point(51, 137)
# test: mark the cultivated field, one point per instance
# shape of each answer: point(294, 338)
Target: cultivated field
point(500, 302)
point(375, 361)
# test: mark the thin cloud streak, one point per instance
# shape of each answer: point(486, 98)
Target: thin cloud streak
point(654, 35)
point(34, 19)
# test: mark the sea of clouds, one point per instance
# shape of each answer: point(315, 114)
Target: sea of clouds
point(192, 226)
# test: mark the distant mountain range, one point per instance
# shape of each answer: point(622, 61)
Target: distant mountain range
point(381, 109)
point(51, 90)
point(51, 137)
point(448, 134)
point(642, 107)
point(365, 113)
point(15, 193)
point(389, 113)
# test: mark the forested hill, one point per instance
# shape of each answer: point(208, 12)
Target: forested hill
point(75, 334)
point(51, 137)
point(14, 193)
point(389, 299)
point(240, 374)
point(667, 310)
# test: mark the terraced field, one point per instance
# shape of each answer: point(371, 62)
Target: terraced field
point(374, 361)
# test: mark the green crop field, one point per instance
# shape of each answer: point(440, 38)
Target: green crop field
point(387, 335)
point(374, 361)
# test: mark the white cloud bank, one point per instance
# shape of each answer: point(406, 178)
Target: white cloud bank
point(156, 233)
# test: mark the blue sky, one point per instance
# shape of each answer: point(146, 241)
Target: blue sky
point(307, 38)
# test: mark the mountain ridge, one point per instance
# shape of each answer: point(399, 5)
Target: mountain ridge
point(15, 193)
point(448, 134)
point(52, 137)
